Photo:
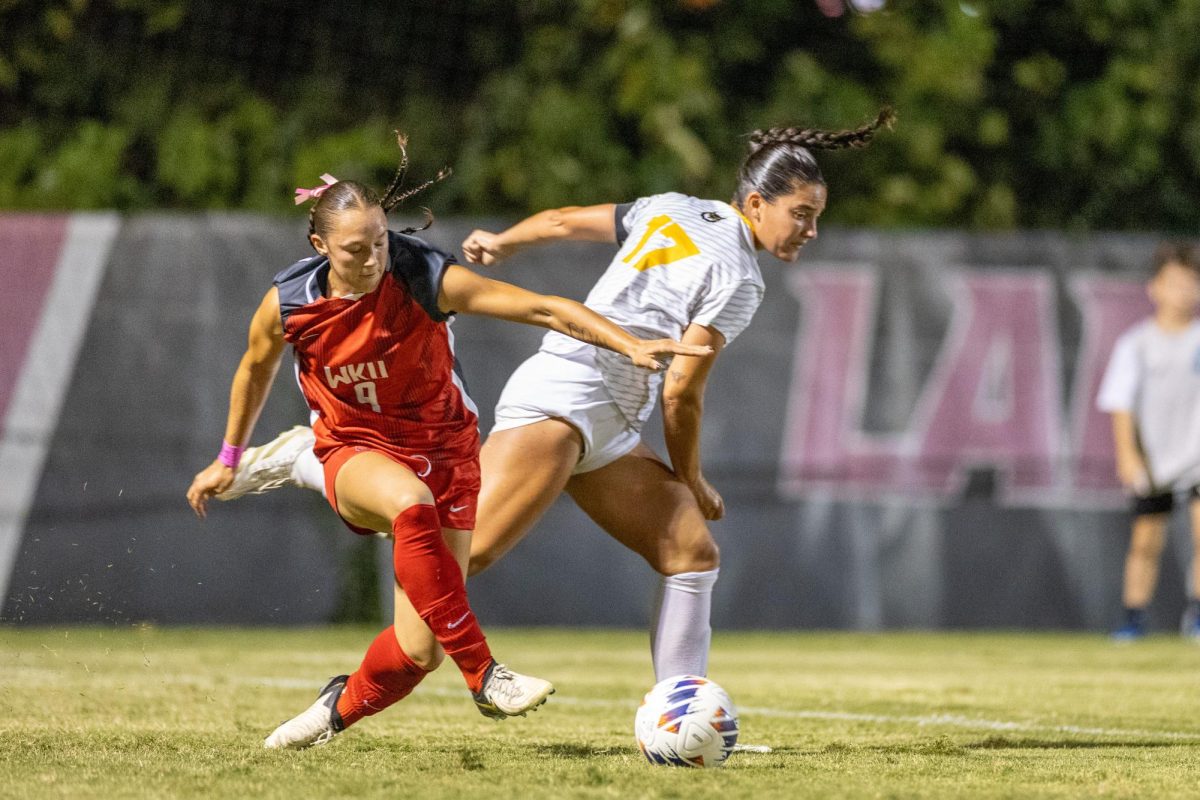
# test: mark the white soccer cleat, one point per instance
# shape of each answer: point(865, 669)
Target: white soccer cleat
point(510, 694)
point(269, 466)
point(317, 724)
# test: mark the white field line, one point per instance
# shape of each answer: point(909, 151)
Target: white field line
point(30, 675)
point(923, 720)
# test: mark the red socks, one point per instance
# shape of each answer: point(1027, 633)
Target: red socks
point(386, 676)
point(433, 581)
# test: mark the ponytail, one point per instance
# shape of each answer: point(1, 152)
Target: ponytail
point(780, 158)
point(394, 194)
point(341, 195)
point(823, 140)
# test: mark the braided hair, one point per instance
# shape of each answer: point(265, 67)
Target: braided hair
point(352, 194)
point(780, 158)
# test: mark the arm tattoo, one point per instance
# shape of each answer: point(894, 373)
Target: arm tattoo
point(677, 375)
point(582, 334)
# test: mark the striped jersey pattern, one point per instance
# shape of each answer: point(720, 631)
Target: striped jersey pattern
point(682, 261)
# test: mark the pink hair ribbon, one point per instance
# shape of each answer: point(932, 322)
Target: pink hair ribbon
point(304, 195)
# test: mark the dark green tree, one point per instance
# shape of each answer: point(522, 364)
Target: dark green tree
point(1076, 114)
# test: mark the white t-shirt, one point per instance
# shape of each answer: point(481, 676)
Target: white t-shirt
point(1155, 376)
point(682, 260)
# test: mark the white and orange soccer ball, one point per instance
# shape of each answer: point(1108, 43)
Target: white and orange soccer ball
point(686, 721)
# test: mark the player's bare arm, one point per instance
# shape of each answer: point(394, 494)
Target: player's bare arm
point(465, 292)
point(683, 410)
point(251, 385)
point(1131, 466)
point(579, 223)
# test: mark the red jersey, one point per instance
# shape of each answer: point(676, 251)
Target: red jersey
point(380, 370)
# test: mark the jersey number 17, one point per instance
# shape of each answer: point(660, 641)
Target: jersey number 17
point(681, 245)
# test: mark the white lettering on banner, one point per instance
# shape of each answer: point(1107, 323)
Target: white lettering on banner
point(993, 398)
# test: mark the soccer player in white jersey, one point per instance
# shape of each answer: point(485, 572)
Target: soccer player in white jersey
point(1152, 390)
point(570, 417)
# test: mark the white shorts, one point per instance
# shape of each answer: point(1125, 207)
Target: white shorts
point(550, 386)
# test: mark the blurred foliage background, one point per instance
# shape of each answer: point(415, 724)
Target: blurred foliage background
point(1079, 114)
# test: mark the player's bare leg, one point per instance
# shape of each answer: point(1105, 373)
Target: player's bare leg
point(367, 491)
point(640, 502)
point(370, 488)
point(1141, 572)
point(321, 721)
point(1190, 624)
point(523, 471)
point(1141, 562)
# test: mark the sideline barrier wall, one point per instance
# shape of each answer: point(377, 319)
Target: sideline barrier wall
point(905, 437)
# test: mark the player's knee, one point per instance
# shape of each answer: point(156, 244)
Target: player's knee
point(420, 646)
point(703, 555)
point(429, 658)
point(403, 499)
point(697, 554)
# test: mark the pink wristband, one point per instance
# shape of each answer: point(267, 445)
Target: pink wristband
point(230, 455)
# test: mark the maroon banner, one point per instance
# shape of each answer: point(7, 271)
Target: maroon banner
point(995, 396)
point(30, 246)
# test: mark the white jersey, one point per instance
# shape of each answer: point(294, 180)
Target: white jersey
point(1155, 376)
point(682, 261)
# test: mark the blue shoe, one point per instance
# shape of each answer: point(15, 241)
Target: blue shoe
point(1189, 624)
point(1130, 632)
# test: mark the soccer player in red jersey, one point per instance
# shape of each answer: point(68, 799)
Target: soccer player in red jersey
point(570, 417)
point(396, 433)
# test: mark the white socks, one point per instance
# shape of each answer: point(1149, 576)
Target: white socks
point(680, 633)
point(308, 473)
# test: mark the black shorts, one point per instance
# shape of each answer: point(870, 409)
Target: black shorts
point(1160, 503)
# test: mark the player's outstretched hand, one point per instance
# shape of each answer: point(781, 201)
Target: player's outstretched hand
point(709, 500)
point(644, 352)
point(483, 247)
point(210, 481)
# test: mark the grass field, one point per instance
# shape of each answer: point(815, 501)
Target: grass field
point(148, 712)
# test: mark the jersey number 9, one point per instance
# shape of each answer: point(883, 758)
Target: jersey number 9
point(365, 392)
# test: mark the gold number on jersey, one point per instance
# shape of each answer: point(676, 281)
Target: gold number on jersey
point(681, 245)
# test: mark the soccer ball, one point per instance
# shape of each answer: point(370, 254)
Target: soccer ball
point(686, 721)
